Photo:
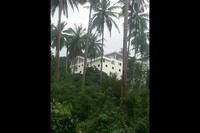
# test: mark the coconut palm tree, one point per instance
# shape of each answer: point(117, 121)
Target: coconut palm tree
point(139, 32)
point(104, 14)
point(138, 22)
point(54, 31)
point(132, 13)
point(62, 6)
point(93, 3)
point(76, 43)
point(94, 49)
point(125, 53)
point(67, 45)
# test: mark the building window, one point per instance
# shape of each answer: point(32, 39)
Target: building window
point(98, 65)
point(79, 66)
point(112, 67)
point(120, 64)
point(82, 64)
point(106, 65)
point(87, 64)
point(119, 70)
point(113, 62)
point(103, 60)
point(80, 71)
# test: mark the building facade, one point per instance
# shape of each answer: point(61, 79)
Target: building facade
point(112, 63)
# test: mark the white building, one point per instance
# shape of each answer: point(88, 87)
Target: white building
point(112, 63)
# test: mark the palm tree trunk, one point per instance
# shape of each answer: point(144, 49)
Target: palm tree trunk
point(58, 41)
point(102, 53)
point(125, 38)
point(74, 62)
point(136, 48)
point(129, 42)
point(133, 68)
point(67, 62)
point(141, 80)
point(91, 62)
point(86, 49)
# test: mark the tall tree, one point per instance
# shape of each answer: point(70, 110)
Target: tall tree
point(123, 90)
point(92, 5)
point(94, 49)
point(104, 13)
point(67, 45)
point(139, 33)
point(137, 19)
point(76, 42)
point(132, 13)
point(62, 6)
point(54, 31)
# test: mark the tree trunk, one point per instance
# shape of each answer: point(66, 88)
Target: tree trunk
point(74, 62)
point(136, 49)
point(58, 41)
point(91, 62)
point(125, 38)
point(67, 63)
point(102, 53)
point(141, 80)
point(129, 42)
point(86, 49)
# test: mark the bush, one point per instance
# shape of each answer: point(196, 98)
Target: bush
point(61, 118)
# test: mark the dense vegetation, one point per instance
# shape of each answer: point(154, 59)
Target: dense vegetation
point(96, 109)
point(96, 102)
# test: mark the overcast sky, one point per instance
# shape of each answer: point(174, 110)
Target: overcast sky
point(113, 43)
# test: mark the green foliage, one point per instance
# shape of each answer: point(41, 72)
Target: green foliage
point(96, 110)
point(92, 76)
point(61, 118)
point(137, 74)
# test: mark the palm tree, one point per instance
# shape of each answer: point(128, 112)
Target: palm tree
point(139, 33)
point(64, 41)
point(123, 90)
point(137, 25)
point(54, 31)
point(133, 7)
point(67, 45)
point(62, 6)
point(76, 43)
point(103, 14)
point(139, 22)
point(92, 5)
point(94, 49)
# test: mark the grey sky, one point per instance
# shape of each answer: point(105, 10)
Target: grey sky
point(113, 43)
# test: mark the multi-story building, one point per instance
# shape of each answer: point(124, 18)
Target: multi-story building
point(112, 63)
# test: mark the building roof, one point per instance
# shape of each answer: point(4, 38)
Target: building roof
point(113, 53)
